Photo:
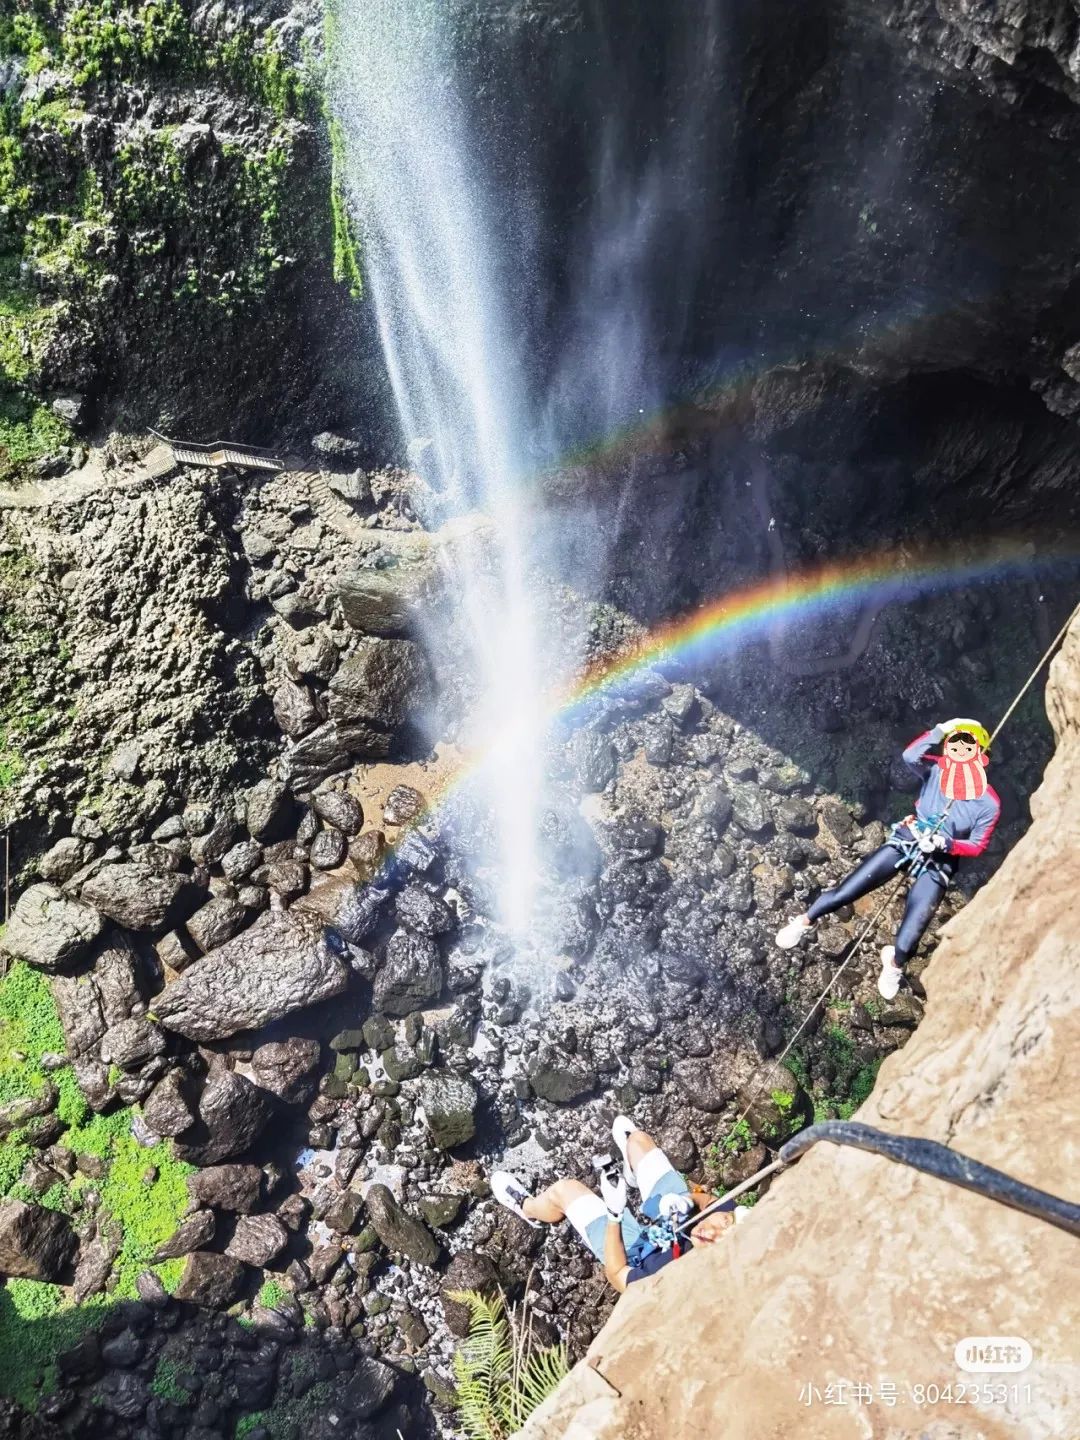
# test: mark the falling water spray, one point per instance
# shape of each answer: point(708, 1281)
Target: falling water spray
point(437, 274)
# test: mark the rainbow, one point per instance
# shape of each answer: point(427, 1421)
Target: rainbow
point(748, 614)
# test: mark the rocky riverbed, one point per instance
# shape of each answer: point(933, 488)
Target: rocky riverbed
point(265, 1038)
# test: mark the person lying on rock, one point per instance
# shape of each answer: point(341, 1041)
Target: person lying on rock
point(627, 1249)
point(955, 816)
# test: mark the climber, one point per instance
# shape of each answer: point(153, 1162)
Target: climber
point(627, 1250)
point(955, 816)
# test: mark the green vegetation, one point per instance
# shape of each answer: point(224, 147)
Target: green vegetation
point(501, 1375)
point(171, 1382)
point(739, 1138)
point(144, 1191)
point(285, 1422)
point(346, 242)
point(853, 1082)
point(272, 1294)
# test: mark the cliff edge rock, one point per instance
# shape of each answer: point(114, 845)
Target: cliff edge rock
point(855, 1270)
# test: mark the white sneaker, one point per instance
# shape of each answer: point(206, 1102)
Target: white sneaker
point(889, 980)
point(742, 1212)
point(793, 932)
point(509, 1191)
point(621, 1127)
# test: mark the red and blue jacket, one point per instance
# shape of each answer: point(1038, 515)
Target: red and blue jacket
point(969, 824)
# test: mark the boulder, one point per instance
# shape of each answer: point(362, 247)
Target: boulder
point(343, 1212)
point(400, 1233)
point(286, 1068)
point(166, 1109)
point(366, 1391)
point(779, 1109)
point(468, 1270)
point(282, 963)
point(136, 898)
point(131, 1043)
point(257, 1239)
point(352, 910)
point(423, 913)
point(560, 1078)
point(796, 816)
point(269, 811)
point(238, 863)
point(329, 849)
point(704, 1083)
point(193, 1233)
point(330, 748)
point(79, 1007)
point(216, 922)
point(411, 975)
point(212, 1281)
point(115, 969)
point(403, 805)
point(236, 1188)
point(593, 757)
point(380, 683)
point(65, 857)
point(96, 1258)
point(389, 602)
point(749, 810)
point(294, 709)
point(340, 809)
point(35, 1243)
point(209, 849)
point(232, 1113)
point(449, 1103)
point(50, 931)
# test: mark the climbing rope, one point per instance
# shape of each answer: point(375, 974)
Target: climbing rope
point(928, 1156)
point(889, 894)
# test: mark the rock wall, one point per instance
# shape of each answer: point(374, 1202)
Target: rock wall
point(854, 1270)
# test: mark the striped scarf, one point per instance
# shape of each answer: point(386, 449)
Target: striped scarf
point(963, 779)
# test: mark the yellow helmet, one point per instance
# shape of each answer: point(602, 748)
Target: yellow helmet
point(972, 727)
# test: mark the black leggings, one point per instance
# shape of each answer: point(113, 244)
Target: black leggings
point(923, 897)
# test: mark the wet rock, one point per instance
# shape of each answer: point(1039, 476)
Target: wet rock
point(232, 1112)
point(838, 821)
point(367, 1389)
point(796, 816)
point(237, 1188)
point(212, 1281)
point(198, 819)
point(131, 1043)
point(115, 967)
point(50, 931)
point(209, 849)
point(738, 1168)
point(238, 862)
point(559, 1077)
point(329, 849)
point(704, 1084)
point(286, 1068)
point(636, 837)
point(381, 683)
point(35, 1243)
point(160, 859)
point(658, 735)
point(344, 1212)
point(411, 975)
point(287, 879)
point(749, 810)
point(122, 1351)
point(714, 805)
point(340, 809)
point(216, 922)
point(135, 898)
point(390, 602)
point(257, 1239)
point(592, 756)
point(269, 811)
point(403, 805)
point(400, 1233)
point(329, 749)
point(192, 1234)
point(449, 1103)
point(93, 1080)
point(294, 709)
point(423, 913)
point(64, 858)
point(282, 963)
point(468, 1270)
point(123, 1395)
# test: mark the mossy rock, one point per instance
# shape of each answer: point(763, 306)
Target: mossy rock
point(781, 1108)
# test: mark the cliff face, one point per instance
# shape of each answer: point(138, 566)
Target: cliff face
point(855, 1270)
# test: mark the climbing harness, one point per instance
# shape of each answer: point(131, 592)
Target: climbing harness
point(934, 828)
point(928, 1156)
point(662, 1234)
point(915, 860)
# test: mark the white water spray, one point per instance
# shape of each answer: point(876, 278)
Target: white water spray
point(445, 316)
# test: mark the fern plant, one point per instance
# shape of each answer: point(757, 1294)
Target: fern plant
point(501, 1374)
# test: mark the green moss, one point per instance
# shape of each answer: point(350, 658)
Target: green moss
point(26, 652)
point(38, 1322)
point(839, 1045)
point(738, 1139)
point(346, 241)
point(172, 1382)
